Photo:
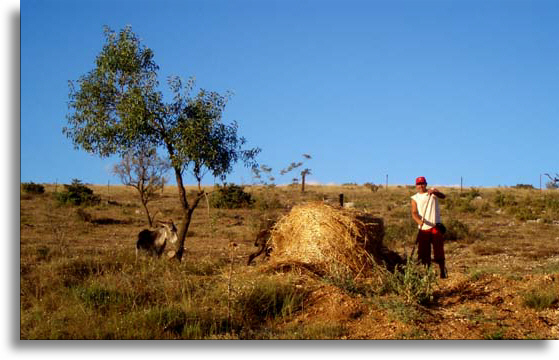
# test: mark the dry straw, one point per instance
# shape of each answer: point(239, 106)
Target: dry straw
point(323, 236)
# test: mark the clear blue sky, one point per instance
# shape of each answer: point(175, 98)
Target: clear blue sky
point(442, 89)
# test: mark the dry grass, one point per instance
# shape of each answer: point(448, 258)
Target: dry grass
point(79, 278)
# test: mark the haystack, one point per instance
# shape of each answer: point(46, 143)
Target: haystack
point(323, 236)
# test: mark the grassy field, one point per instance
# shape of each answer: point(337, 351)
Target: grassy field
point(79, 278)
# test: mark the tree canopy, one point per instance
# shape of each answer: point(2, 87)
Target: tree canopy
point(114, 107)
point(117, 108)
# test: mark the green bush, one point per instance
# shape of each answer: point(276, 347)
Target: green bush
point(471, 194)
point(456, 230)
point(186, 324)
point(530, 207)
point(372, 187)
point(497, 334)
point(401, 311)
point(100, 298)
point(396, 234)
point(32, 188)
point(551, 202)
point(268, 203)
point(78, 194)
point(342, 277)
point(504, 200)
point(533, 207)
point(413, 282)
point(524, 186)
point(230, 196)
point(330, 330)
point(268, 299)
point(460, 203)
point(541, 299)
point(523, 213)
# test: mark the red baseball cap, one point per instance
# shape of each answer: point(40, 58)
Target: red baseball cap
point(420, 180)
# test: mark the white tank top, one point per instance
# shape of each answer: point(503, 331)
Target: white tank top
point(430, 213)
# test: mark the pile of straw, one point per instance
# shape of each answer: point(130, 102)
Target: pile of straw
point(321, 236)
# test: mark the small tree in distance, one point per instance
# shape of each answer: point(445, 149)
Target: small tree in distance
point(554, 183)
point(304, 173)
point(144, 171)
point(257, 173)
point(267, 171)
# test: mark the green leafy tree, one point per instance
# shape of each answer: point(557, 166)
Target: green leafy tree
point(116, 108)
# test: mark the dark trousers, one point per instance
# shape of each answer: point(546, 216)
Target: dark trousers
point(425, 239)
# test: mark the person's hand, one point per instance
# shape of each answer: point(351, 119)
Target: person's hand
point(432, 191)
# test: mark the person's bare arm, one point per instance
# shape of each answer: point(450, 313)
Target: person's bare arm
point(436, 192)
point(414, 213)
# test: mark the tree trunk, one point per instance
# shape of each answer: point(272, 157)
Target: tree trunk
point(185, 225)
point(182, 233)
point(303, 181)
point(187, 214)
point(150, 220)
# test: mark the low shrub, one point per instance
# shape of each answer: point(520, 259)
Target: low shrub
point(77, 194)
point(456, 230)
point(268, 203)
point(523, 186)
point(319, 331)
point(100, 298)
point(32, 188)
point(459, 203)
point(167, 318)
point(413, 282)
point(473, 315)
point(401, 311)
point(84, 215)
point(372, 187)
point(184, 324)
point(342, 277)
point(502, 200)
point(533, 207)
point(541, 298)
point(524, 213)
point(471, 194)
point(497, 334)
point(230, 196)
point(396, 234)
point(268, 299)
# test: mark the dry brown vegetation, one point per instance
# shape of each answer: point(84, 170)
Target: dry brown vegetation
point(79, 278)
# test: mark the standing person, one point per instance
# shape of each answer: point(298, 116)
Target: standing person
point(425, 212)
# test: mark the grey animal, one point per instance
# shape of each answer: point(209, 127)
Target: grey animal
point(154, 241)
